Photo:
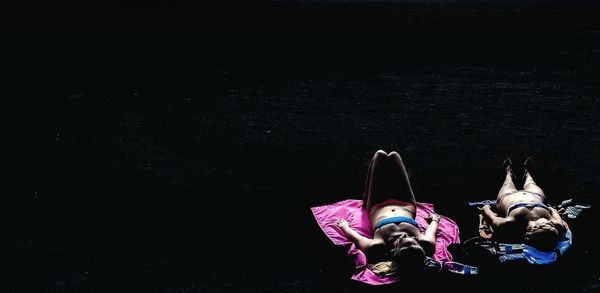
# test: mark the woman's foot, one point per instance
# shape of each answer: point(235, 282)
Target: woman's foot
point(529, 167)
point(508, 166)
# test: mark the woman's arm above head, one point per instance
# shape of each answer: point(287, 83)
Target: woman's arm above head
point(558, 222)
point(363, 243)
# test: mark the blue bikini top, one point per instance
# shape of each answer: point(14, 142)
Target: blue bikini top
point(396, 220)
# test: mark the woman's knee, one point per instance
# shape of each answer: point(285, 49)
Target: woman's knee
point(395, 155)
point(379, 155)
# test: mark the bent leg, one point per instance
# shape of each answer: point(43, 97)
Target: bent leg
point(386, 179)
point(400, 187)
point(532, 187)
point(508, 186)
point(376, 164)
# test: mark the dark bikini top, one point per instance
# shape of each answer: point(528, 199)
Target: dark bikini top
point(527, 205)
point(396, 220)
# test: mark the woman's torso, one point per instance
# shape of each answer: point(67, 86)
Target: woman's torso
point(391, 209)
point(523, 206)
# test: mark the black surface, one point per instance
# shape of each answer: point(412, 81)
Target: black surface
point(186, 160)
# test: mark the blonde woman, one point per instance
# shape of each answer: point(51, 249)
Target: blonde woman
point(397, 244)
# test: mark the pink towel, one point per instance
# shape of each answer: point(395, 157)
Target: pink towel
point(352, 211)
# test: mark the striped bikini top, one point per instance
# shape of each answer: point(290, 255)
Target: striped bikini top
point(527, 205)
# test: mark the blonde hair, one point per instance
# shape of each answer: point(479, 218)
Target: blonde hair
point(412, 255)
point(386, 268)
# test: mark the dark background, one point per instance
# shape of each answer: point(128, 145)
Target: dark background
point(177, 147)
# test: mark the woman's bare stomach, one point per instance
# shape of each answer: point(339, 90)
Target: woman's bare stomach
point(391, 208)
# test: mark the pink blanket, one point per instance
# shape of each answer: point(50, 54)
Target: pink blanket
point(356, 215)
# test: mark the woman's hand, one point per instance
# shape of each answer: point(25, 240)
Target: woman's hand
point(343, 224)
point(486, 207)
point(431, 231)
point(363, 243)
point(433, 217)
point(560, 226)
point(487, 213)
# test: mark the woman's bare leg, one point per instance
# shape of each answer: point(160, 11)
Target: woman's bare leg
point(400, 187)
point(378, 159)
point(386, 179)
point(508, 186)
point(530, 185)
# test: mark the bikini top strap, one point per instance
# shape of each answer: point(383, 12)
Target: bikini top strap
point(527, 204)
